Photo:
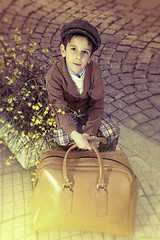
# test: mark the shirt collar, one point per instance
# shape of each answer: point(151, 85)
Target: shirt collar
point(78, 75)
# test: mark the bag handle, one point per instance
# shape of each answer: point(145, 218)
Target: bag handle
point(68, 184)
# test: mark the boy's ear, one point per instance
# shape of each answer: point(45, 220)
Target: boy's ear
point(62, 49)
point(91, 58)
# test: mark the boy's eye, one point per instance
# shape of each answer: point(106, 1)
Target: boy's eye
point(85, 52)
point(73, 49)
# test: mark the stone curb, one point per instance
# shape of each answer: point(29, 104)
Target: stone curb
point(146, 149)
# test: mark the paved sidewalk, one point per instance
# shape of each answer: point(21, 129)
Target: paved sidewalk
point(130, 61)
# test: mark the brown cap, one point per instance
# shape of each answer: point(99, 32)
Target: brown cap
point(82, 27)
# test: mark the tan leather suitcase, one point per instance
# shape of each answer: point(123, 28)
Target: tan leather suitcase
point(85, 191)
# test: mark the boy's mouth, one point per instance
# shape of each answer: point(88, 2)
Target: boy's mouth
point(77, 64)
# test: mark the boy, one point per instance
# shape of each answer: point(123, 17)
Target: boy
point(75, 89)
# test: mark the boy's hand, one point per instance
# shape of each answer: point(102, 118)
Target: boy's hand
point(81, 140)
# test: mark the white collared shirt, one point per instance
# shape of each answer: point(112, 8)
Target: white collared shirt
point(78, 79)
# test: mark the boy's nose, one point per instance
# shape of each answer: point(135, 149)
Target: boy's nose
point(78, 56)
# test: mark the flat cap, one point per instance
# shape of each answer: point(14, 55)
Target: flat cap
point(82, 27)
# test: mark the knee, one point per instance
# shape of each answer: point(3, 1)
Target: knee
point(61, 137)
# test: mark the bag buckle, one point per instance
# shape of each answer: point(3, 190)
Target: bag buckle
point(67, 185)
point(101, 186)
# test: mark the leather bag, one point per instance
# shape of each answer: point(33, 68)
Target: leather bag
point(85, 191)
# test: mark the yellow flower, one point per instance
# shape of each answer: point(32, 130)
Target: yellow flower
point(17, 38)
point(5, 135)
point(37, 122)
point(8, 163)
point(9, 109)
point(35, 107)
point(29, 104)
point(2, 121)
point(13, 55)
point(52, 114)
point(33, 119)
point(45, 113)
point(40, 104)
point(45, 50)
point(23, 134)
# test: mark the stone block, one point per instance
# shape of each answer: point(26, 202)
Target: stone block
point(139, 74)
point(119, 114)
point(118, 85)
point(154, 90)
point(153, 77)
point(119, 103)
point(129, 89)
point(144, 104)
point(130, 123)
point(131, 109)
point(143, 94)
point(156, 123)
point(118, 56)
point(126, 78)
point(130, 98)
point(147, 129)
point(155, 100)
point(109, 108)
point(141, 87)
point(152, 113)
point(127, 68)
point(139, 44)
point(140, 117)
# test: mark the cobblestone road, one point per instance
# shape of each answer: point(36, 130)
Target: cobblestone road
point(129, 55)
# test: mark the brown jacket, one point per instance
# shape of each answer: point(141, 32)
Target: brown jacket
point(63, 94)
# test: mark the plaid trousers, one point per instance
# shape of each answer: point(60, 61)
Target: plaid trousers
point(107, 129)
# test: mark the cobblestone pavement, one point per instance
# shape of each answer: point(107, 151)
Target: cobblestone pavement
point(130, 60)
point(129, 55)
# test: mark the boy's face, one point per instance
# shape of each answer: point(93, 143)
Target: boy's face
point(78, 53)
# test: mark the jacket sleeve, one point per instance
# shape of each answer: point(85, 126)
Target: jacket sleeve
point(59, 105)
point(96, 104)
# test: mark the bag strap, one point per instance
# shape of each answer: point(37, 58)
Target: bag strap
point(67, 183)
